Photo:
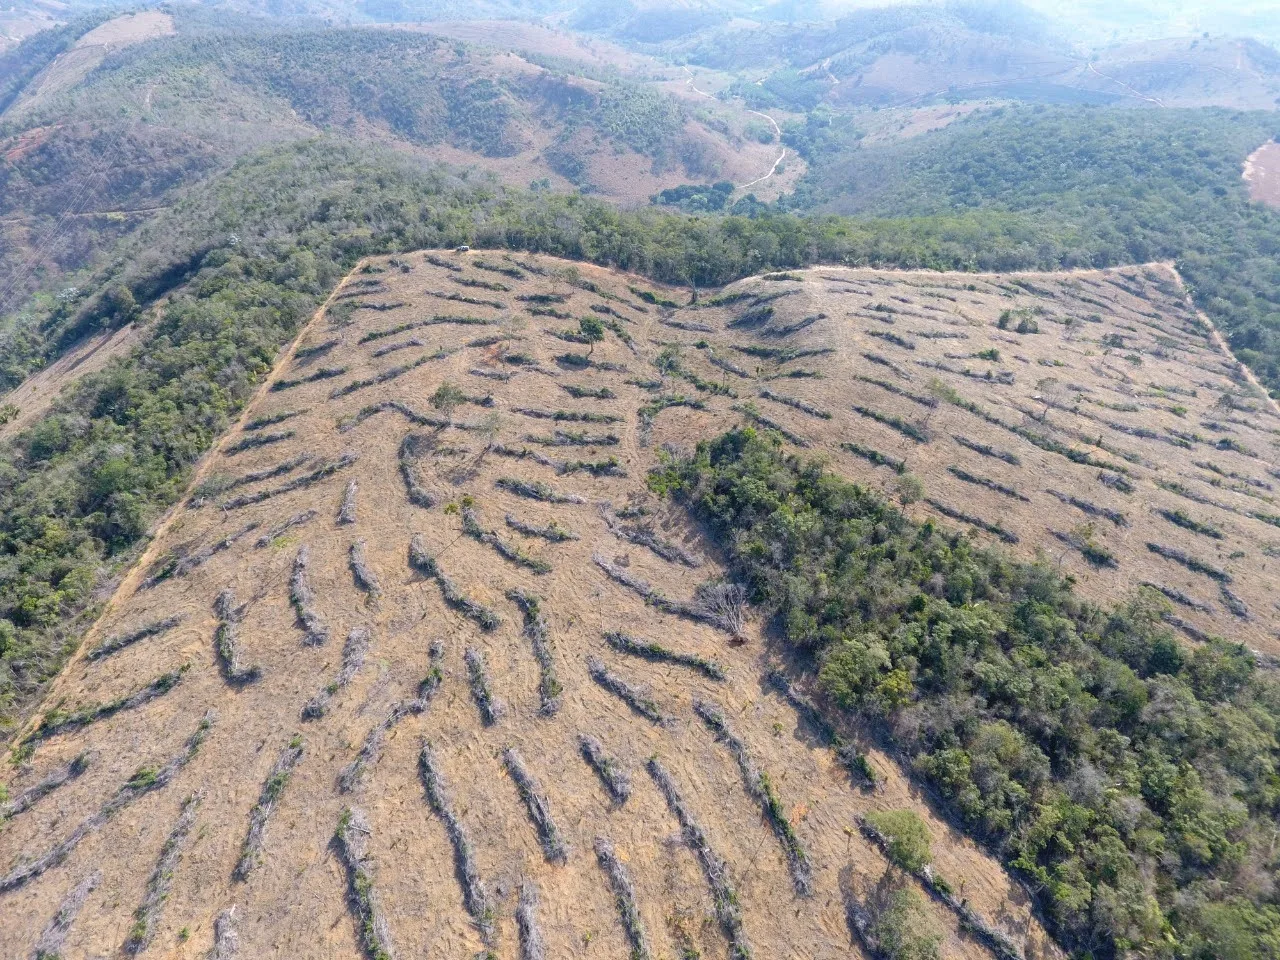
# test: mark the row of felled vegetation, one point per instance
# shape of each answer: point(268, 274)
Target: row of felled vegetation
point(1132, 782)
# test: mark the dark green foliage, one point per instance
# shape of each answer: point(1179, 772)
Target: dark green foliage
point(281, 772)
point(591, 393)
point(760, 787)
point(782, 354)
point(899, 926)
point(874, 456)
point(256, 440)
point(538, 634)
point(648, 296)
point(481, 284)
point(226, 642)
point(58, 720)
point(1130, 780)
point(995, 529)
point(796, 404)
point(695, 198)
point(491, 708)
point(651, 650)
point(893, 338)
point(753, 414)
point(324, 373)
point(609, 467)
point(899, 391)
point(569, 416)
point(306, 353)
point(257, 423)
point(1180, 519)
point(987, 482)
point(1051, 445)
point(534, 490)
point(1191, 563)
point(1092, 509)
point(472, 528)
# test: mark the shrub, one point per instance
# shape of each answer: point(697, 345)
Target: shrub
point(901, 926)
point(908, 842)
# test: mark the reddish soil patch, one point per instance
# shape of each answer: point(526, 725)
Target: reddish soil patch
point(1262, 173)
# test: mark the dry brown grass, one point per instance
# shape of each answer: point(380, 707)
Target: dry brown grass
point(297, 891)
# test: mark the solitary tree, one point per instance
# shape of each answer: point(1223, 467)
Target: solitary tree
point(907, 489)
point(592, 331)
point(1048, 392)
point(448, 398)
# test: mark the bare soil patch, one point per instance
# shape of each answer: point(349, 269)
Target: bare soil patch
point(1262, 174)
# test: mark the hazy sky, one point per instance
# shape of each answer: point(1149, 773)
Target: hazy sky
point(1105, 20)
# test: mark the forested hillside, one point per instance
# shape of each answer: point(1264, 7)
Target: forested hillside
point(231, 272)
point(1133, 782)
point(89, 160)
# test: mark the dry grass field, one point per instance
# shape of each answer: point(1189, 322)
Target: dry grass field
point(392, 599)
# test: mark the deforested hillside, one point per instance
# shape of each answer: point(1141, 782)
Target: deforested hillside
point(433, 659)
point(1092, 417)
point(430, 610)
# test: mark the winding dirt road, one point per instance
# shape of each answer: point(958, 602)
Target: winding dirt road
point(777, 132)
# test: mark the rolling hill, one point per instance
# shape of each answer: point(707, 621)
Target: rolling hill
point(423, 663)
point(113, 128)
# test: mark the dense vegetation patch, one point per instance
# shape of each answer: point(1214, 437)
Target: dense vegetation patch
point(1131, 781)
